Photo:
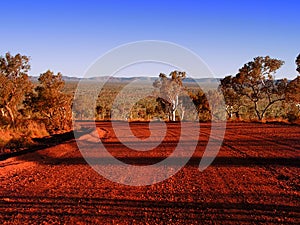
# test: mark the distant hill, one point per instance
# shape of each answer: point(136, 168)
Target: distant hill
point(127, 79)
point(130, 79)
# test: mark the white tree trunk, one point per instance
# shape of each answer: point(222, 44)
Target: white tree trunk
point(174, 108)
point(173, 115)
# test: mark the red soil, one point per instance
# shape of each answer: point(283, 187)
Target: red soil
point(254, 179)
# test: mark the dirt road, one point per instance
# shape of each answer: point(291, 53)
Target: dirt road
point(254, 179)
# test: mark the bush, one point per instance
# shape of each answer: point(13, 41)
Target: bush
point(21, 136)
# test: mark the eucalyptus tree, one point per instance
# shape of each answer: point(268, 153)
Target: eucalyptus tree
point(169, 91)
point(51, 103)
point(255, 83)
point(14, 84)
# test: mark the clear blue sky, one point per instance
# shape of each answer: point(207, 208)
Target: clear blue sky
point(67, 36)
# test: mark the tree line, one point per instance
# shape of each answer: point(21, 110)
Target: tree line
point(22, 101)
point(252, 94)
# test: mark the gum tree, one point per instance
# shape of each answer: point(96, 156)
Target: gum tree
point(169, 90)
point(255, 83)
point(232, 99)
point(14, 84)
point(51, 103)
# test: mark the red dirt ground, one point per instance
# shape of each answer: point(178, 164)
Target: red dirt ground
point(254, 180)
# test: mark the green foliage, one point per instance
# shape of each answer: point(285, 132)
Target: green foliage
point(293, 90)
point(14, 85)
point(293, 113)
point(169, 91)
point(21, 136)
point(293, 98)
point(201, 103)
point(27, 112)
point(82, 107)
point(255, 84)
point(50, 103)
point(252, 94)
point(233, 100)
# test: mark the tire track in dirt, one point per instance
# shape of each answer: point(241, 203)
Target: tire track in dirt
point(280, 149)
point(274, 171)
point(63, 189)
point(226, 184)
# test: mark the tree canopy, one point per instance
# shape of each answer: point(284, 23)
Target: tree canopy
point(293, 90)
point(252, 91)
point(255, 83)
point(51, 103)
point(169, 90)
point(14, 84)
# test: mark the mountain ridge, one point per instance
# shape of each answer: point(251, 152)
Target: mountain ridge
point(128, 79)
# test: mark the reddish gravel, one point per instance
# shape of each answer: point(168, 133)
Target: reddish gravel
point(254, 180)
